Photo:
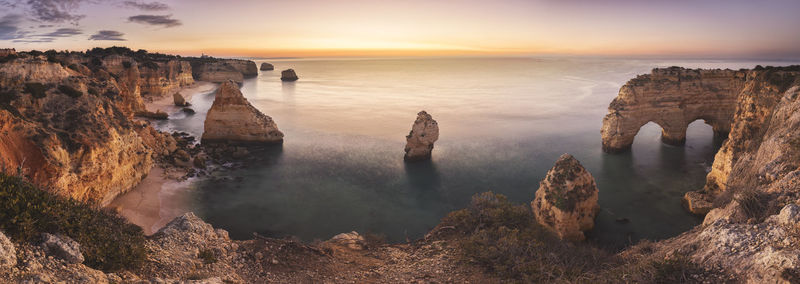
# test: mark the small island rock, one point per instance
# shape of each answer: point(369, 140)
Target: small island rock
point(267, 67)
point(289, 75)
point(566, 201)
point(233, 119)
point(178, 99)
point(419, 142)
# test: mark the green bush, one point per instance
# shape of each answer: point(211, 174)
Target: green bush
point(37, 90)
point(108, 241)
point(126, 64)
point(70, 91)
point(506, 239)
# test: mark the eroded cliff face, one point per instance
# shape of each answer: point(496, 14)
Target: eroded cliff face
point(222, 70)
point(673, 98)
point(67, 125)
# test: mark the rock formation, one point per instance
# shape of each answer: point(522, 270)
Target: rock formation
point(267, 67)
point(672, 98)
point(566, 201)
point(7, 51)
point(221, 70)
point(233, 119)
point(8, 253)
point(351, 240)
point(288, 75)
point(62, 247)
point(178, 100)
point(419, 142)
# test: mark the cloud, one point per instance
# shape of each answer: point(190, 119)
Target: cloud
point(37, 40)
point(63, 32)
point(9, 27)
point(156, 20)
point(144, 6)
point(108, 35)
point(55, 11)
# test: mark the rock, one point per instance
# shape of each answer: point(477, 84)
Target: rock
point(188, 111)
point(350, 240)
point(182, 155)
point(178, 99)
point(233, 119)
point(62, 247)
point(8, 253)
point(566, 201)
point(157, 115)
point(419, 142)
point(288, 75)
point(240, 152)
point(697, 203)
point(266, 67)
point(672, 98)
point(200, 161)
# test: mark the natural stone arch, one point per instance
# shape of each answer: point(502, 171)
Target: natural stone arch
point(672, 98)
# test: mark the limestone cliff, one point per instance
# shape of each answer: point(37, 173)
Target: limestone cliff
point(222, 70)
point(566, 201)
point(672, 98)
point(233, 119)
point(419, 142)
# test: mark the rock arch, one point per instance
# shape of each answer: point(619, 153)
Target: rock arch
point(672, 98)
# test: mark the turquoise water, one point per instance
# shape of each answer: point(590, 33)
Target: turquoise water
point(503, 122)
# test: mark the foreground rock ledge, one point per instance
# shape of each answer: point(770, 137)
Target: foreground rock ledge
point(419, 142)
point(566, 201)
point(233, 119)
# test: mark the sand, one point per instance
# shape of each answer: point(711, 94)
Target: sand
point(160, 197)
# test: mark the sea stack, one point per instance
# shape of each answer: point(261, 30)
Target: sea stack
point(288, 75)
point(566, 201)
point(419, 142)
point(178, 99)
point(233, 119)
point(267, 67)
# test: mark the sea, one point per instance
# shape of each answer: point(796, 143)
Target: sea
point(503, 122)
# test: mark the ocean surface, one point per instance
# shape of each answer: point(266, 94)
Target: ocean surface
point(503, 123)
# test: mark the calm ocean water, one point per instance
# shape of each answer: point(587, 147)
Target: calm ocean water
point(503, 122)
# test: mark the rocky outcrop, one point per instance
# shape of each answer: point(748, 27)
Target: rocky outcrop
point(419, 142)
point(233, 119)
point(8, 253)
point(351, 240)
point(267, 67)
point(178, 100)
point(566, 201)
point(672, 98)
point(289, 75)
point(7, 51)
point(222, 70)
point(62, 247)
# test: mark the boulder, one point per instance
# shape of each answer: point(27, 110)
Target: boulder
point(267, 67)
point(351, 240)
point(178, 99)
point(188, 111)
point(233, 119)
point(697, 202)
point(62, 247)
point(419, 142)
point(288, 75)
point(8, 253)
point(566, 201)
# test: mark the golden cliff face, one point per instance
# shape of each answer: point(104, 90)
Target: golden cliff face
point(672, 98)
point(754, 106)
point(66, 122)
point(233, 119)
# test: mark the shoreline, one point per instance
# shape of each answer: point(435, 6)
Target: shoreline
point(160, 196)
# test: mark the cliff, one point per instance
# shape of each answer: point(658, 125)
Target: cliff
point(222, 70)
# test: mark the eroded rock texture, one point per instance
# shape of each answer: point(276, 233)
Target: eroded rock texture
point(566, 201)
point(672, 98)
point(233, 119)
point(222, 70)
point(419, 142)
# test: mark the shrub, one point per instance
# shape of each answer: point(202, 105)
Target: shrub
point(70, 91)
point(126, 64)
point(37, 90)
point(108, 241)
point(74, 67)
point(207, 256)
point(506, 239)
point(753, 203)
point(7, 96)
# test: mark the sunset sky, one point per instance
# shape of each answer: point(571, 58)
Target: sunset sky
point(676, 28)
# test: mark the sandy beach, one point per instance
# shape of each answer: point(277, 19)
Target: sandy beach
point(160, 197)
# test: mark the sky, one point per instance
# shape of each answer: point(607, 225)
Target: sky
point(296, 28)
